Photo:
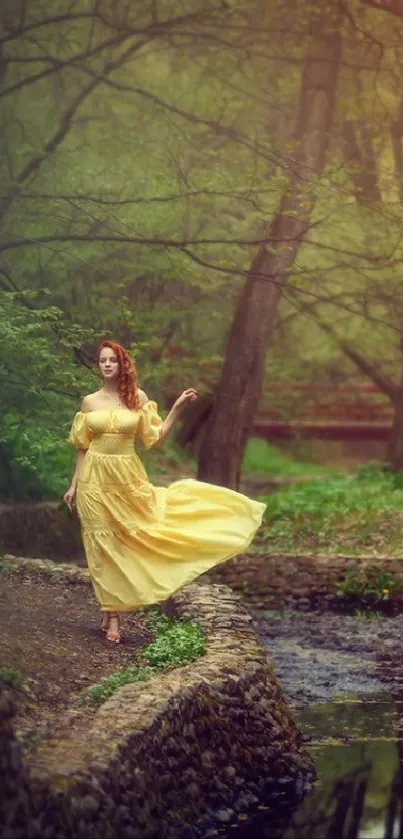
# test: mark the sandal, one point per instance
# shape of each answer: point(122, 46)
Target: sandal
point(113, 636)
point(105, 621)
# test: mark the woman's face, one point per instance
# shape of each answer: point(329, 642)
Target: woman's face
point(108, 364)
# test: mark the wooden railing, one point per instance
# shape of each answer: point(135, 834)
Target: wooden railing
point(353, 412)
point(358, 411)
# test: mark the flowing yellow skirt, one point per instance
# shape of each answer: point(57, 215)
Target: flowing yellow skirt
point(141, 547)
point(143, 542)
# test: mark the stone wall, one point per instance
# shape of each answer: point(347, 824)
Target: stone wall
point(264, 580)
point(267, 580)
point(276, 579)
point(168, 757)
point(40, 530)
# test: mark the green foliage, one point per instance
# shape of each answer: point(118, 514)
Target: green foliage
point(107, 687)
point(37, 461)
point(158, 621)
point(39, 362)
point(260, 458)
point(177, 643)
point(153, 248)
point(371, 586)
point(11, 677)
point(40, 387)
point(172, 179)
point(336, 497)
point(350, 512)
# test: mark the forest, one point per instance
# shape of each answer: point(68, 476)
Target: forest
point(218, 185)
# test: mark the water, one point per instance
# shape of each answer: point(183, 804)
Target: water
point(342, 676)
point(357, 746)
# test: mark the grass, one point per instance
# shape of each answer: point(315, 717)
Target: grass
point(177, 642)
point(362, 512)
point(260, 458)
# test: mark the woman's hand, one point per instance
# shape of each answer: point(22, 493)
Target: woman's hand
point(188, 395)
point(70, 496)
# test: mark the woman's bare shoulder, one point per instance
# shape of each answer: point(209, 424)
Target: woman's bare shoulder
point(89, 403)
point(143, 397)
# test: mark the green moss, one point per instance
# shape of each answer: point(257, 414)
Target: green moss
point(11, 677)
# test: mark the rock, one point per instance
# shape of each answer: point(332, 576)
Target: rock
point(225, 816)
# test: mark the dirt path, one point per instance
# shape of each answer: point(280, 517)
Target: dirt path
point(50, 635)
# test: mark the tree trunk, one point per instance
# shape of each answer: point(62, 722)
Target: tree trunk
point(242, 376)
point(395, 442)
point(393, 7)
point(396, 134)
point(360, 152)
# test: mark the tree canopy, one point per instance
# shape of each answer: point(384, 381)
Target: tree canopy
point(146, 149)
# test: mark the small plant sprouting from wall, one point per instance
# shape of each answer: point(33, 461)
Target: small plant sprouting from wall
point(176, 643)
point(370, 587)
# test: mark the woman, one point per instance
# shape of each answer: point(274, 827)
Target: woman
point(142, 542)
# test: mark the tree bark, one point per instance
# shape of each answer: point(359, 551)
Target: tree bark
point(360, 151)
point(393, 7)
point(242, 376)
point(396, 134)
point(395, 442)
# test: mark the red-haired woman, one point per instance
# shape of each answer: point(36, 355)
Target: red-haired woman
point(142, 542)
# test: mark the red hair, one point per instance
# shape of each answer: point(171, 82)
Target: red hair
point(127, 388)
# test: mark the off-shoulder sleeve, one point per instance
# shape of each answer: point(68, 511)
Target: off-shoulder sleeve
point(80, 436)
point(150, 424)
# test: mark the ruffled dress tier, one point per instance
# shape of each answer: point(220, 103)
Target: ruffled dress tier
point(143, 542)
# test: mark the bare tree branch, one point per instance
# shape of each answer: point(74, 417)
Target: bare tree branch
point(364, 32)
point(242, 195)
point(365, 365)
point(64, 126)
point(58, 65)
point(150, 32)
point(50, 21)
point(381, 261)
point(213, 125)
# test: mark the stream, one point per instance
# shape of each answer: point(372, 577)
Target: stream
point(343, 677)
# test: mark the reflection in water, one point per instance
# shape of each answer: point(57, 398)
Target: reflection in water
point(358, 753)
point(362, 802)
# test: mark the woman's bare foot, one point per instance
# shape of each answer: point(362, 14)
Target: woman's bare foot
point(105, 621)
point(113, 631)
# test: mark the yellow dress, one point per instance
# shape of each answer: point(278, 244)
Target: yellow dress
point(143, 542)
